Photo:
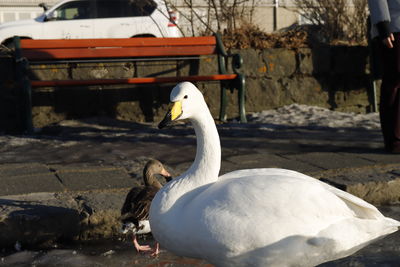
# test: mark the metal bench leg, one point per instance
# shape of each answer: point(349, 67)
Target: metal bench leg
point(27, 106)
point(241, 94)
point(223, 103)
point(24, 93)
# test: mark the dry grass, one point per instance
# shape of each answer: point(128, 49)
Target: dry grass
point(250, 36)
point(253, 37)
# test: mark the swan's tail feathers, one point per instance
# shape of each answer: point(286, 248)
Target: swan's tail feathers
point(392, 224)
point(360, 207)
point(352, 234)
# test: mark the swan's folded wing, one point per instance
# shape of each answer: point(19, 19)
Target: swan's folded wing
point(265, 172)
point(361, 208)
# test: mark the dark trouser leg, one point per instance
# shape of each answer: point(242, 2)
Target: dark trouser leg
point(389, 107)
point(390, 113)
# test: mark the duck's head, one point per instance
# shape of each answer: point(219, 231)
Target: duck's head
point(186, 102)
point(151, 169)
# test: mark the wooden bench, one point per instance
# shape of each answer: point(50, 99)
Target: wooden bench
point(29, 52)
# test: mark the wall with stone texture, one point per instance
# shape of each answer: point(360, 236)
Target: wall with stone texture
point(331, 77)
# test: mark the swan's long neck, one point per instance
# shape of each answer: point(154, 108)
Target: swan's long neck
point(204, 170)
point(206, 166)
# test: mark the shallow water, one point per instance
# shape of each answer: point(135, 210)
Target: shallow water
point(385, 252)
point(110, 253)
point(121, 253)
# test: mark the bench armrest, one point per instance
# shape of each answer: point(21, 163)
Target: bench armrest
point(237, 60)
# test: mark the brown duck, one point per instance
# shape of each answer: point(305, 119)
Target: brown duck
point(135, 211)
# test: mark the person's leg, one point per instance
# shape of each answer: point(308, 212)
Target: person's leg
point(390, 96)
point(384, 114)
point(396, 118)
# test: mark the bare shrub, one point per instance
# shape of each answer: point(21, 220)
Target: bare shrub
point(210, 16)
point(338, 20)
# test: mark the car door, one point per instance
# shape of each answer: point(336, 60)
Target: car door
point(73, 20)
point(125, 18)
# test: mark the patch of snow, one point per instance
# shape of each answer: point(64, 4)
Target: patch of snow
point(297, 115)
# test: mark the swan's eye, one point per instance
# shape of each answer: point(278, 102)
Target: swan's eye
point(185, 97)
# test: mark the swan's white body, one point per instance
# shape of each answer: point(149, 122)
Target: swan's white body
point(256, 217)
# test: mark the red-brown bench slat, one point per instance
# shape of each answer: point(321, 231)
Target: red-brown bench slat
point(116, 42)
point(142, 80)
point(124, 52)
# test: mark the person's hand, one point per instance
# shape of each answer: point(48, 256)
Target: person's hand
point(388, 41)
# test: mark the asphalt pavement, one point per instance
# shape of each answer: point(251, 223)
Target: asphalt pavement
point(68, 182)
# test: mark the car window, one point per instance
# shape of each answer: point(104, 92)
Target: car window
point(73, 10)
point(109, 9)
point(124, 8)
point(140, 7)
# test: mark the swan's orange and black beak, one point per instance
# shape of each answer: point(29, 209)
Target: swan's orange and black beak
point(173, 113)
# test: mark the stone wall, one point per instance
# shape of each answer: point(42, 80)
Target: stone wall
point(331, 77)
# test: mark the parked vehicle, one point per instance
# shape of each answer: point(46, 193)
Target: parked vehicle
point(79, 19)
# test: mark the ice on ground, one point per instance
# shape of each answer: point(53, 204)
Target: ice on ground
point(311, 116)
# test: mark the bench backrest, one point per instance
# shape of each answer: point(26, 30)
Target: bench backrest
point(116, 48)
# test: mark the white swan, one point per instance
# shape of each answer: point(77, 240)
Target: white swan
point(255, 217)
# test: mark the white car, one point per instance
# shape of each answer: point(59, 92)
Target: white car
point(85, 19)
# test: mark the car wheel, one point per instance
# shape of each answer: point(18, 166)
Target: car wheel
point(142, 36)
point(9, 44)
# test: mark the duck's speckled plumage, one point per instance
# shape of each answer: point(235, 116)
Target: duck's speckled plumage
point(135, 210)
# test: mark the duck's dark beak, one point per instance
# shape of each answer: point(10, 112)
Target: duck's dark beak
point(173, 113)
